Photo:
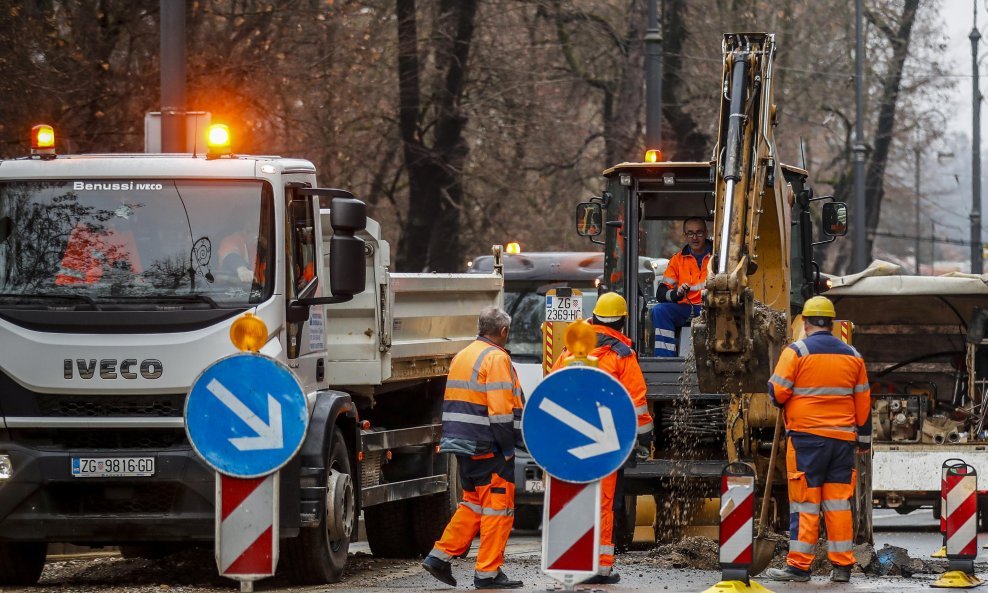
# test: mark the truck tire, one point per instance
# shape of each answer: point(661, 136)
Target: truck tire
point(528, 516)
point(318, 554)
point(21, 563)
point(389, 530)
point(431, 514)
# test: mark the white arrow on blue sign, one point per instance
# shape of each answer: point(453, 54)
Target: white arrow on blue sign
point(579, 424)
point(246, 415)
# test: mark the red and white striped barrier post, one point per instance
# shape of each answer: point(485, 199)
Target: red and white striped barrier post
point(737, 511)
point(247, 528)
point(571, 531)
point(942, 552)
point(962, 527)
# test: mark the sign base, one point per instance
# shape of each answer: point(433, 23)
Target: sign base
point(941, 553)
point(957, 579)
point(737, 587)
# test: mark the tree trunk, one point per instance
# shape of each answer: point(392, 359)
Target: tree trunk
point(430, 238)
point(685, 141)
point(878, 161)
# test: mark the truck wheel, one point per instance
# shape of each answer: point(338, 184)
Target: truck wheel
point(318, 554)
point(431, 514)
point(21, 563)
point(623, 534)
point(389, 530)
point(528, 516)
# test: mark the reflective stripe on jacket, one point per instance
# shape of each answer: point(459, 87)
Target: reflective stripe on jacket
point(682, 268)
point(482, 406)
point(615, 356)
point(823, 386)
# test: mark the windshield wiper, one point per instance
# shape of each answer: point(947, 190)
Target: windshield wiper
point(69, 297)
point(188, 298)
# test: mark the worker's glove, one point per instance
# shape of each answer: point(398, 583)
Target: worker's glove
point(643, 447)
point(682, 290)
point(244, 274)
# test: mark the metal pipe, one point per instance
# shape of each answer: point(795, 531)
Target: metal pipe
point(977, 266)
point(725, 229)
point(860, 235)
point(173, 62)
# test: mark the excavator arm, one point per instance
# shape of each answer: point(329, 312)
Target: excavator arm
point(744, 323)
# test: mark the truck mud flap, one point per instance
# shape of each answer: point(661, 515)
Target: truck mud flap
point(393, 491)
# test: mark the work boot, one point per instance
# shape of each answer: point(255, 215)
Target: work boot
point(788, 573)
point(841, 574)
point(603, 579)
point(440, 569)
point(501, 581)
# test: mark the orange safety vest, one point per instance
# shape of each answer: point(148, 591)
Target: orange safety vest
point(822, 384)
point(89, 251)
point(483, 402)
point(682, 268)
point(615, 356)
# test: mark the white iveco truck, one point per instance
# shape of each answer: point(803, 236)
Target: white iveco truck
point(120, 276)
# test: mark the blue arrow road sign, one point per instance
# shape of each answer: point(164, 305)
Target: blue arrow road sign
point(246, 415)
point(579, 424)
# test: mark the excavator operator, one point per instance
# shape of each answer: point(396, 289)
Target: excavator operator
point(679, 293)
point(821, 384)
point(615, 356)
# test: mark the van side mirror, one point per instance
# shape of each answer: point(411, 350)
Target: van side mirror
point(347, 272)
point(835, 219)
point(589, 219)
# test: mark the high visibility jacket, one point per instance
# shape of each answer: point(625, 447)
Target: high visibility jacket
point(89, 252)
point(615, 356)
point(482, 406)
point(682, 268)
point(822, 384)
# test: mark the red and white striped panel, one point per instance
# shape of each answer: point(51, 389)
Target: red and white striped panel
point(247, 526)
point(943, 501)
point(737, 506)
point(571, 528)
point(962, 514)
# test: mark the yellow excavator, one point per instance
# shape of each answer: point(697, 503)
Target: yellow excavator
point(709, 401)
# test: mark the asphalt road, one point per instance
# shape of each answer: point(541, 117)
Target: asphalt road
point(194, 572)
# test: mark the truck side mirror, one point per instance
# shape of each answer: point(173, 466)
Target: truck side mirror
point(347, 272)
point(835, 219)
point(588, 219)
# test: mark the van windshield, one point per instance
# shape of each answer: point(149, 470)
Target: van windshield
point(110, 243)
point(525, 302)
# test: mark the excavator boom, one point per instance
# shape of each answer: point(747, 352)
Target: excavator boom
point(744, 323)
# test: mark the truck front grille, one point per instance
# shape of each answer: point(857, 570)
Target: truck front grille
point(101, 406)
point(113, 498)
point(100, 438)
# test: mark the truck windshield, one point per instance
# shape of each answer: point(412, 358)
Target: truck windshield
point(102, 243)
point(526, 305)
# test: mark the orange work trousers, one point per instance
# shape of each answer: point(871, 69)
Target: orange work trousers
point(607, 486)
point(488, 507)
point(821, 479)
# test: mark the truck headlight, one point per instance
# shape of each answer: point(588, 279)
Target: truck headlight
point(6, 467)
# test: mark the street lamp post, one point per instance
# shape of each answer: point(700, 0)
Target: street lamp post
point(977, 266)
point(917, 151)
point(860, 254)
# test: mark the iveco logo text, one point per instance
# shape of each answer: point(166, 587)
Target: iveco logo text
point(110, 368)
point(117, 186)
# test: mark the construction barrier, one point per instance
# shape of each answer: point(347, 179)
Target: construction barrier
point(737, 512)
point(942, 552)
point(962, 527)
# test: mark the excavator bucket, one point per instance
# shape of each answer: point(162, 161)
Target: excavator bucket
point(748, 370)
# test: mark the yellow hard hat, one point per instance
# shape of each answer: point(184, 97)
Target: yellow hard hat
point(819, 306)
point(611, 304)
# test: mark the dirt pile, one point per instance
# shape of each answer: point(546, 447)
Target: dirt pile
point(692, 552)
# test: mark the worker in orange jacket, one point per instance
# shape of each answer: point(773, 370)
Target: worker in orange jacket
point(679, 293)
point(822, 385)
point(481, 426)
point(615, 355)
